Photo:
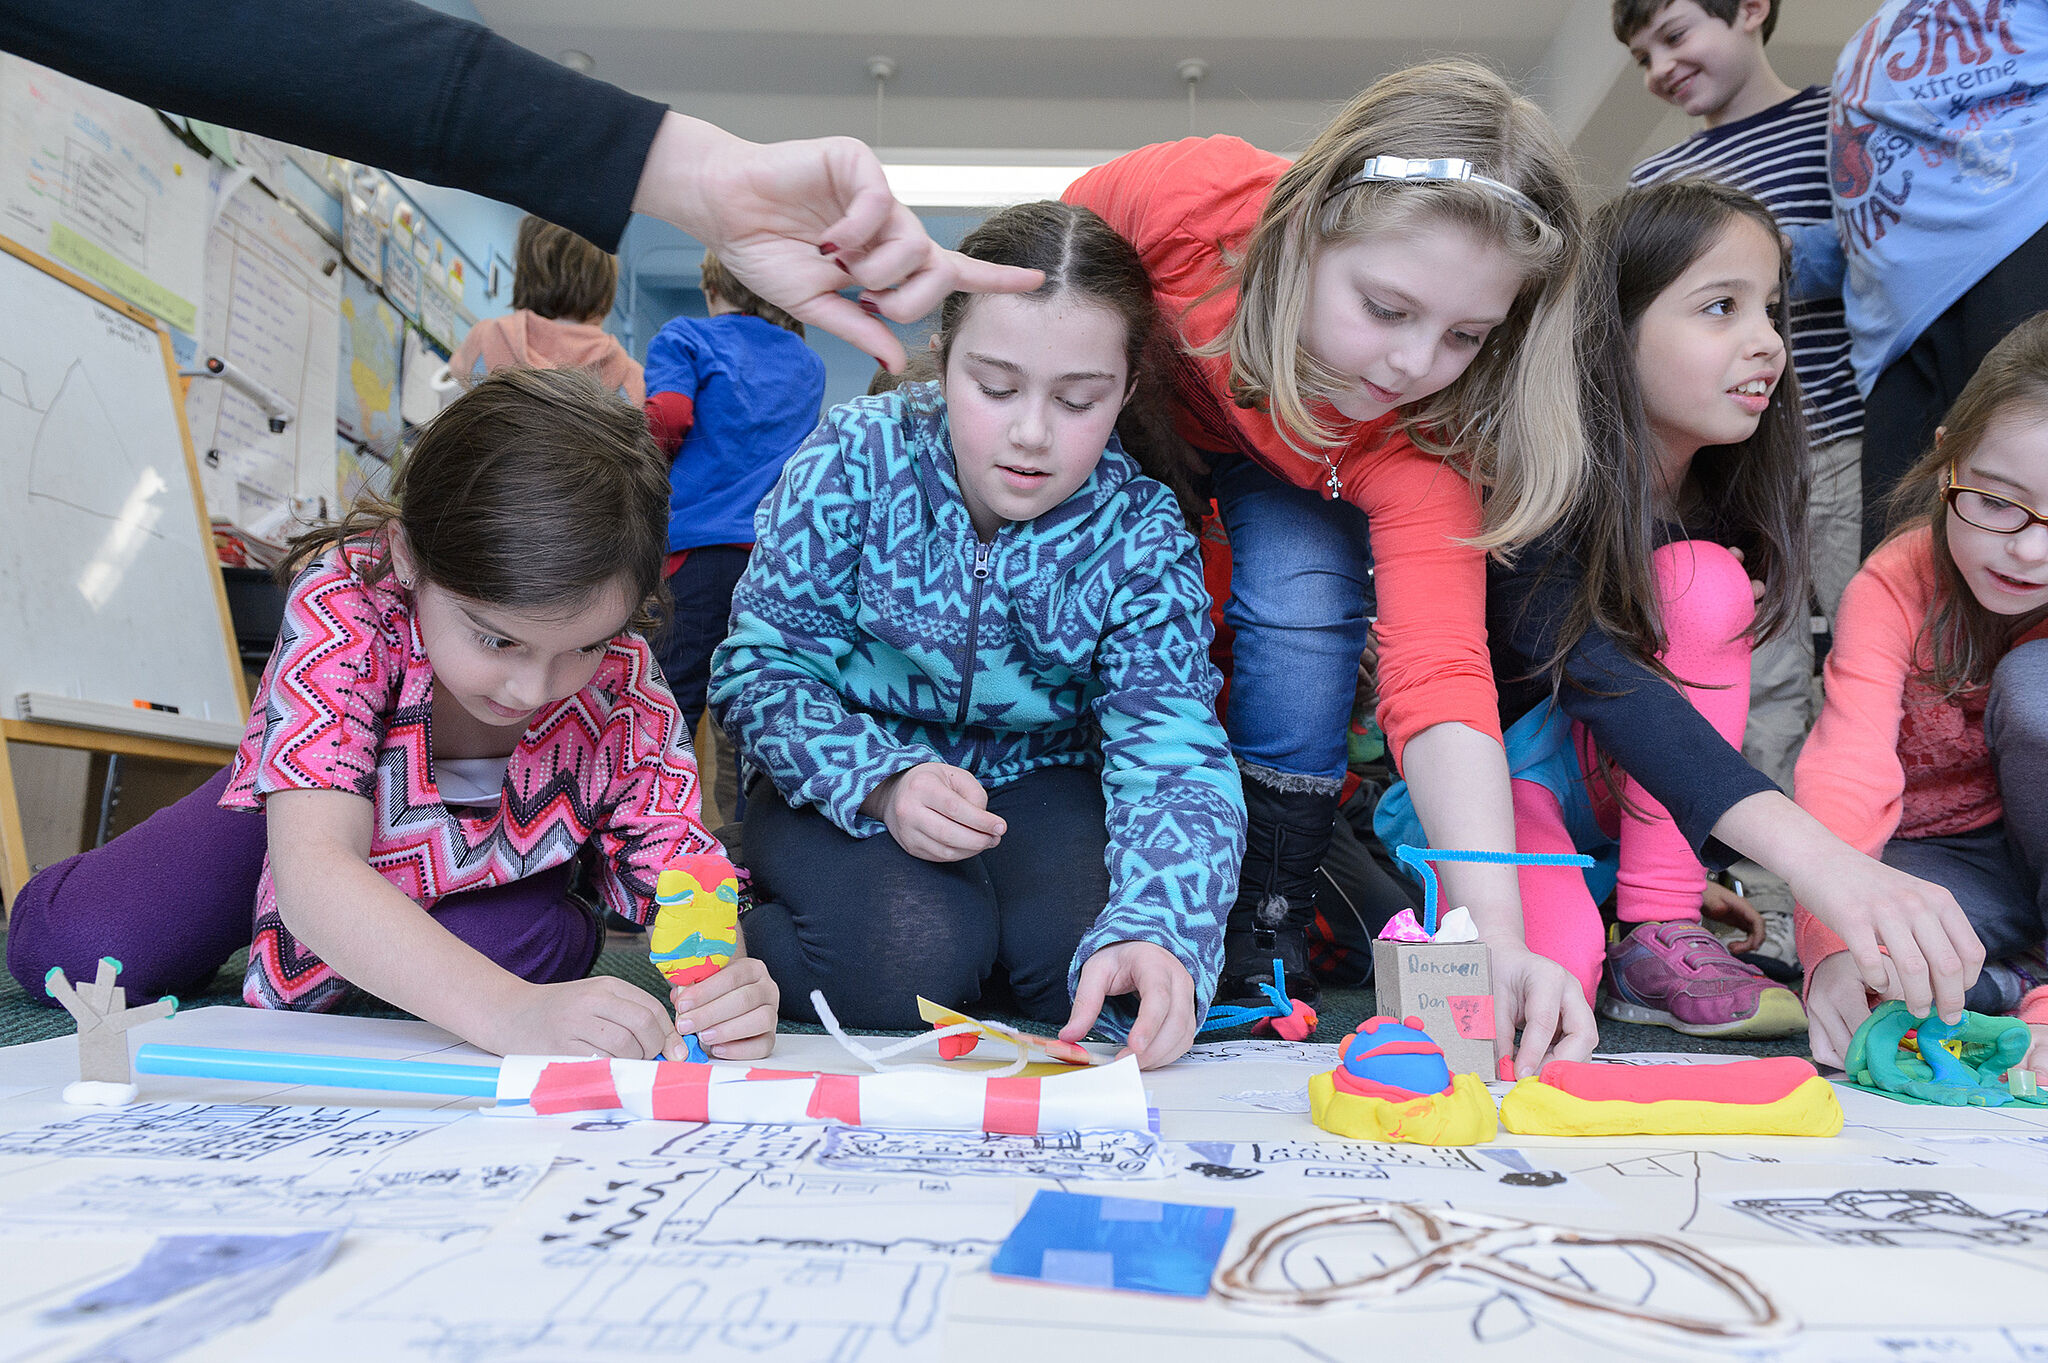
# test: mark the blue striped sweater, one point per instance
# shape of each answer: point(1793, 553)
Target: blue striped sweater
point(873, 632)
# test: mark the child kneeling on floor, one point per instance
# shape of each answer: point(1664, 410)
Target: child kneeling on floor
point(970, 657)
point(460, 705)
point(1932, 744)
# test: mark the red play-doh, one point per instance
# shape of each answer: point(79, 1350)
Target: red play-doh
point(1764, 1080)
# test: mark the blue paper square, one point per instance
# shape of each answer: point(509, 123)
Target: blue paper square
point(1128, 1244)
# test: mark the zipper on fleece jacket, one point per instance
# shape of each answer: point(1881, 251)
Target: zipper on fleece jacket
point(981, 556)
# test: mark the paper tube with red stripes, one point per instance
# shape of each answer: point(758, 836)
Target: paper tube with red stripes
point(918, 1098)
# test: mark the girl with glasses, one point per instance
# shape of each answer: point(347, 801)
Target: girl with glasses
point(1933, 741)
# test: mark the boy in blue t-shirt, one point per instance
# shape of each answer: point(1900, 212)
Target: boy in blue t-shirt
point(1707, 57)
point(729, 397)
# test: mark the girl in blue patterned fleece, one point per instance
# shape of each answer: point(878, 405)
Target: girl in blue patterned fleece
point(973, 623)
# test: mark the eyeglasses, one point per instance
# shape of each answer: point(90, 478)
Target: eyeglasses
point(1988, 510)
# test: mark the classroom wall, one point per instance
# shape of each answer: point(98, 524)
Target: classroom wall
point(660, 269)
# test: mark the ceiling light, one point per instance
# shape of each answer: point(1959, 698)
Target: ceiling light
point(580, 62)
point(935, 181)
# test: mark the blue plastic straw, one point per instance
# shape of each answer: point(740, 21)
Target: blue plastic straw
point(325, 1071)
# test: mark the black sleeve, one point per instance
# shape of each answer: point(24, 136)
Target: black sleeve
point(1641, 721)
point(389, 83)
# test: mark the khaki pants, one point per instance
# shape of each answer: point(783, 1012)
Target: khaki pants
point(1784, 695)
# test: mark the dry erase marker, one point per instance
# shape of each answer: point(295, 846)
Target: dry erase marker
point(154, 705)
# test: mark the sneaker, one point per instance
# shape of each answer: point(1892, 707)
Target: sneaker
point(1679, 975)
point(1771, 897)
point(1778, 956)
point(2002, 984)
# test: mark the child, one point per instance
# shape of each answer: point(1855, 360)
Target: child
point(731, 396)
point(1931, 747)
point(1708, 58)
point(1401, 295)
point(1939, 155)
point(457, 709)
point(562, 290)
point(1636, 617)
point(972, 624)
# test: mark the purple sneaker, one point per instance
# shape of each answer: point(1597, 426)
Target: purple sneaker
point(1679, 975)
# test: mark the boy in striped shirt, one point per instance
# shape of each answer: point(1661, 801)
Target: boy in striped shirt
point(1707, 57)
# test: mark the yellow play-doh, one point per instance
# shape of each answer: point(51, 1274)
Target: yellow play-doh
point(1533, 1108)
point(1461, 1116)
point(696, 926)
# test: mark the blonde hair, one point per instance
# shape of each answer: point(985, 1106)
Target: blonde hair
point(1512, 418)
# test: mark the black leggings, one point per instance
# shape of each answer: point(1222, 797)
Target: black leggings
point(874, 927)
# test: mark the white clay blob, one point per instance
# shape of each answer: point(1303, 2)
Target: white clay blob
point(99, 1093)
point(1456, 926)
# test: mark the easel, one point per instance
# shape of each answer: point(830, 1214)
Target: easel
point(14, 863)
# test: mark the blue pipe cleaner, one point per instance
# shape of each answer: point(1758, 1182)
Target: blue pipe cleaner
point(1224, 1016)
point(1421, 857)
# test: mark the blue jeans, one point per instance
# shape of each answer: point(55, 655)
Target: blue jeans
point(1301, 601)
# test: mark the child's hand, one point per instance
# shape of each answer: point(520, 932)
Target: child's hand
point(600, 1015)
point(1545, 1001)
point(1930, 955)
point(1166, 1000)
point(1837, 1002)
point(731, 1013)
point(1723, 905)
point(936, 812)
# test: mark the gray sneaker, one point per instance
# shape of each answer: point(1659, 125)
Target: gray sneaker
point(1771, 897)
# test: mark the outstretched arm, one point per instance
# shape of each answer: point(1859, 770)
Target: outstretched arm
point(458, 105)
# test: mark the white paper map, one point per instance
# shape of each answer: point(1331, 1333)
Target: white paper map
point(1918, 1234)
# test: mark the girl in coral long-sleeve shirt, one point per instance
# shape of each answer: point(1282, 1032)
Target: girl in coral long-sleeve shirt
point(1369, 341)
point(1933, 744)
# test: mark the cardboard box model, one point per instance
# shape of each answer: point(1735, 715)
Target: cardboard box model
point(1447, 988)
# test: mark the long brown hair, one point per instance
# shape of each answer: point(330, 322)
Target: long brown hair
point(1512, 418)
point(531, 491)
point(1640, 242)
point(716, 278)
point(1081, 254)
point(1961, 642)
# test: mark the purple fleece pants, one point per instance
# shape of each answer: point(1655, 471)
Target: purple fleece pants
point(175, 896)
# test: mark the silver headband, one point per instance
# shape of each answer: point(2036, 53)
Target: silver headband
point(1402, 168)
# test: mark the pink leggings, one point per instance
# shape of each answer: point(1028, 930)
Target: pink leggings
point(1703, 594)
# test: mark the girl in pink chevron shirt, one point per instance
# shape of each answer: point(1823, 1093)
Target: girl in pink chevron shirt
point(460, 707)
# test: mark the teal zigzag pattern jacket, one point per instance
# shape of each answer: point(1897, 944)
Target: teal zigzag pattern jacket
point(872, 632)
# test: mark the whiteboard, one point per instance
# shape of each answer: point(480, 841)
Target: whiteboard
point(107, 592)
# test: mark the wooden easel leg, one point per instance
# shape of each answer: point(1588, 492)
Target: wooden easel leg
point(13, 843)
